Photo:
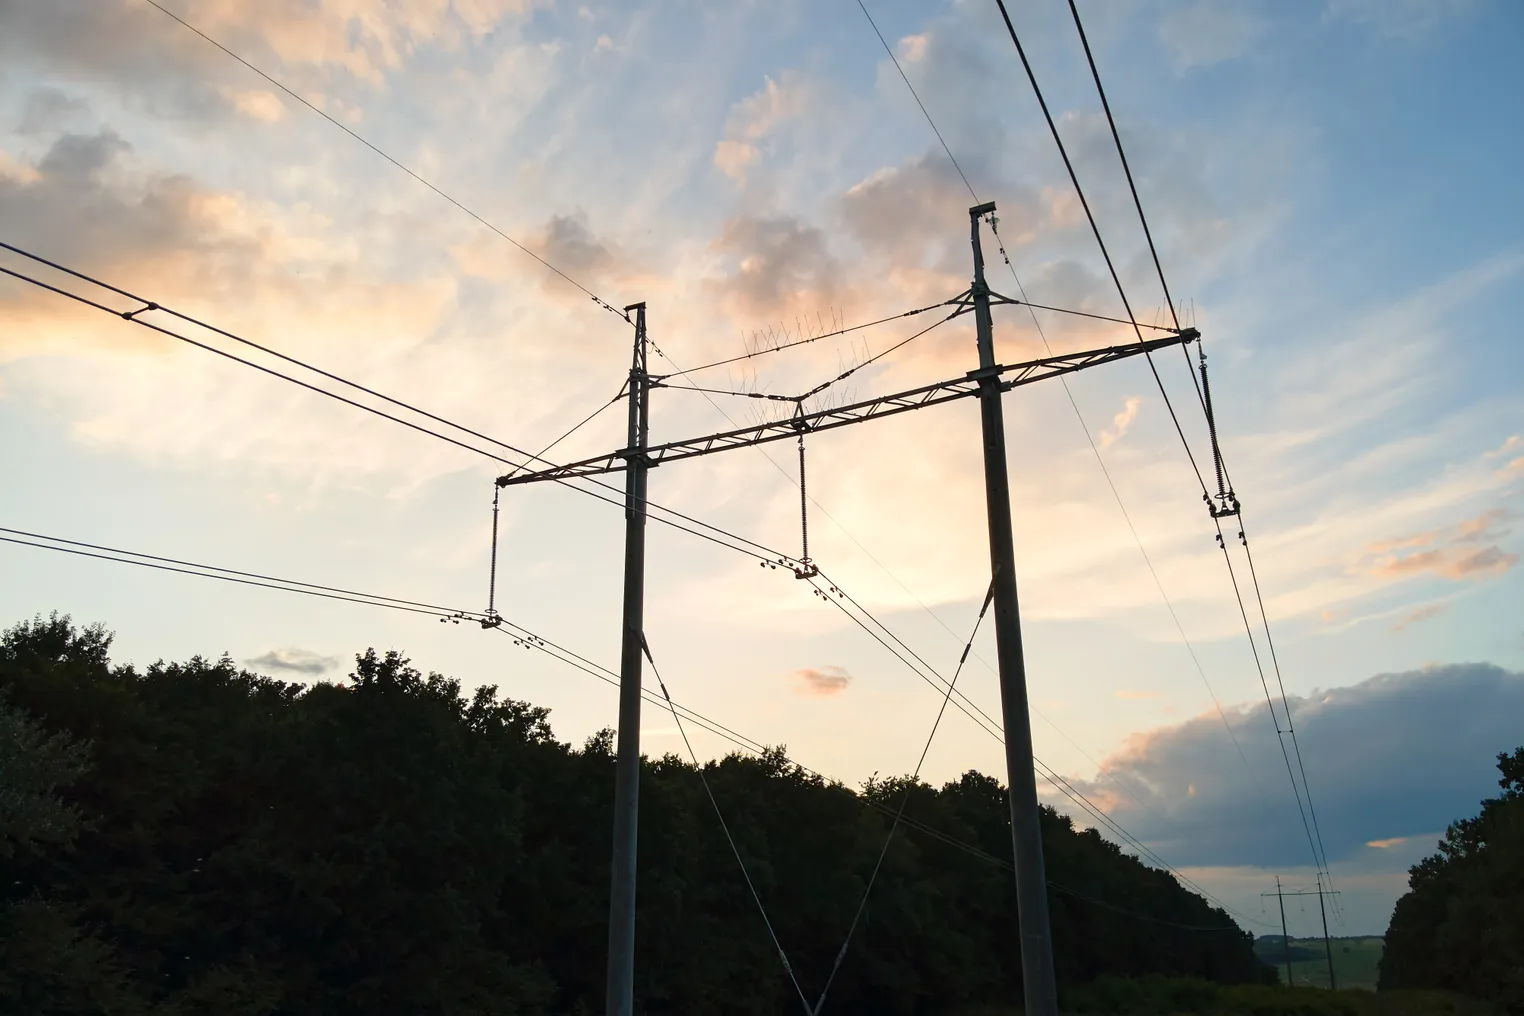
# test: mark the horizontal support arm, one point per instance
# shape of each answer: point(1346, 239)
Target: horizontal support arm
point(1013, 375)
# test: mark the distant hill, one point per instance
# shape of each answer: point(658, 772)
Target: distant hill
point(1357, 959)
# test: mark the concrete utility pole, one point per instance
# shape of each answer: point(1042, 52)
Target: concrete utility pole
point(1285, 938)
point(1320, 892)
point(987, 383)
point(1038, 983)
point(621, 982)
point(1327, 944)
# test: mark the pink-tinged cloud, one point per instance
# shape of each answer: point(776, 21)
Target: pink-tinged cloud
point(820, 682)
point(1467, 550)
point(1131, 695)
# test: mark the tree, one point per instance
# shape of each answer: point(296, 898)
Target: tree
point(259, 848)
point(1461, 924)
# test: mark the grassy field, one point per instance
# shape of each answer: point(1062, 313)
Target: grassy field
point(1355, 960)
point(1163, 996)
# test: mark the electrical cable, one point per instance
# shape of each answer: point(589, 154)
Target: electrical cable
point(1086, 314)
point(232, 577)
point(899, 814)
point(590, 294)
point(1083, 427)
point(853, 370)
point(1126, 169)
point(991, 727)
point(709, 792)
point(1269, 702)
point(1095, 229)
point(769, 554)
point(816, 338)
point(522, 636)
point(1201, 395)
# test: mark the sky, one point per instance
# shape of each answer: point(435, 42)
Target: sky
point(1332, 188)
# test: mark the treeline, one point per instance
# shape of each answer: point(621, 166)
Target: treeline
point(194, 838)
point(1461, 924)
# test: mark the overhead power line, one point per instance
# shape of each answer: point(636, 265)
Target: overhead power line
point(1079, 416)
point(522, 636)
point(588, 292)
point(1153, 250)
point(716, 534)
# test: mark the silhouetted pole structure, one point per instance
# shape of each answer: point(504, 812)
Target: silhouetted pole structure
point(987, 383)
point(1327, 945)
point(621, 971)
point(1039, 987)
point(1285, 936)
point(1320, 892)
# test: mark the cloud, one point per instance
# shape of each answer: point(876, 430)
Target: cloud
point(820, 682)
point(755, 117)
point(913, 48)
point(1121, 421)
point(1397, 755)
point(1515, 443)
point(778, 264)
point(257, 104)
point(1387, 844)
point(292, 660)
point(1466, 550)
point(47, 109)
point(1399, 19)
point(1204, 33)
point(1424, 613)
point(140, 48)
point(1136, 695)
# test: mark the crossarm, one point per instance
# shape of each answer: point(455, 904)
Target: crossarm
point(1012, 376)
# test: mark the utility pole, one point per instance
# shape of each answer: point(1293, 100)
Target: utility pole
point(1319, 892)
point(987, 383)
point(1285, 936)
point(1327, 944)
point(1038, 984)
point(621, 970)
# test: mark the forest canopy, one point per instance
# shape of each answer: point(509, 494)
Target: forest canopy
point(193, 837)
point(1460, 927)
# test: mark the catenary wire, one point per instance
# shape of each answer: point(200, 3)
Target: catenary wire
point(1083, 426)
point(816, 338)
point(589, 293)
point(991, 727)
point(1170, 304)
point(521, 635)
point(1269, 701)
point(873, 359)
point(1122, 155)
point(767, 553)
point(1096, 230)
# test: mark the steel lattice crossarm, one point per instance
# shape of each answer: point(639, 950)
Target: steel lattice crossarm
point(1013, 375)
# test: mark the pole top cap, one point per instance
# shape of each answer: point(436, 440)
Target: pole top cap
point(984, 209)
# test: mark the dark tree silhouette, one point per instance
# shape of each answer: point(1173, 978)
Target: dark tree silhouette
point(1461, 924)
point(194, 838)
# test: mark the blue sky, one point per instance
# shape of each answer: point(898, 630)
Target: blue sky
point(1333, 192)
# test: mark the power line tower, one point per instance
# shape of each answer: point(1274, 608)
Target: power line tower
point(988, 382)
point(1280, 895)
